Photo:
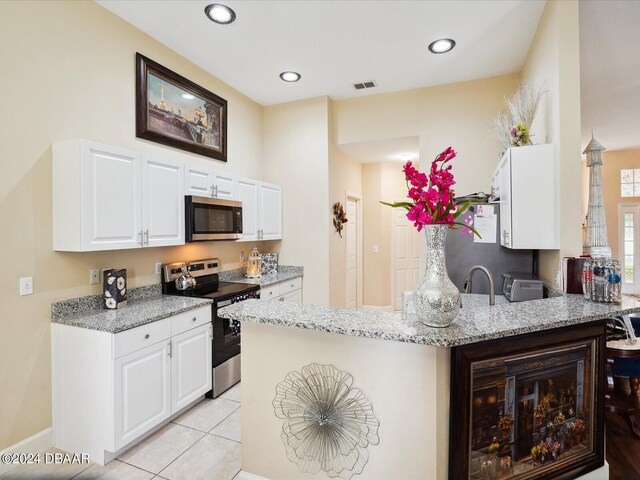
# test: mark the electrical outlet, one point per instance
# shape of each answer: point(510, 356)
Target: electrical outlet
point(26, 285)
point(375, 249)
point(94, 276)
point(158, 268)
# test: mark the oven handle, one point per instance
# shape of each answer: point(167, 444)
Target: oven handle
point(224, 303)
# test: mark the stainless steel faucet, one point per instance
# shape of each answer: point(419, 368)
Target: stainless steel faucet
point(467, 282)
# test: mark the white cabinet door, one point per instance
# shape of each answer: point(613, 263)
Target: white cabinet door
point(191, 370)
point(111, 197)
point(270, 201)
point(248, 195)
point(198, 181)
point(293, 297)
point(504, 179)
point(162, 202)
point(142, 391)
point(225, 186)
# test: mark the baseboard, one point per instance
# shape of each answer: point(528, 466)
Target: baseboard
point(380, 308)
point(248, 476)
point(37, 443)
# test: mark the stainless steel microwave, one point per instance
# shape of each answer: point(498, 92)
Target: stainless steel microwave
point(212, 219)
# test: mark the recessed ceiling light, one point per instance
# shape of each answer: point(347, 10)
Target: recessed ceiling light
point(220, 13)
point(442, 45)
point(290, 76)
point(188, 96)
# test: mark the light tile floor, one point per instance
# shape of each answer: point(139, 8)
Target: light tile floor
point(202, 443)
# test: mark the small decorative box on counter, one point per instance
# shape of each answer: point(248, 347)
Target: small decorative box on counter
point(269, 263)
point(601, 280)
point(114, 288)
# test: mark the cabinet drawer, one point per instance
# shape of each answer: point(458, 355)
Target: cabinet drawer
point(140, 337)
point(191, 319)
point(269, 293)
point(290, 285)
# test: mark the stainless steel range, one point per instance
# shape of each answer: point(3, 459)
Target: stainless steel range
point(205, 283)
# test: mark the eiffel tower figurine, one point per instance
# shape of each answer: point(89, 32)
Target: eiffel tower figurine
point(596, 243)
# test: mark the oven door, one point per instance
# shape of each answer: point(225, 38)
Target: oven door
point(226, 332)
point(212, 219)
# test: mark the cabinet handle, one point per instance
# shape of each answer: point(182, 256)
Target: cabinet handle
point(211, 332)
point(146, 235)
point(212, 194)
point(146, 336)
point(140, 238)
point(170, 349)
point(216, 191)
point(194, 319)
point(282, 299)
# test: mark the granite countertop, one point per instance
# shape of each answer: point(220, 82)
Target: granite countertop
point(473, 324)
point(145, 306)
point(285, 272)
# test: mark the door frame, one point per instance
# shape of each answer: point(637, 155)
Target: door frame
point(359, 290)
point(635, 206)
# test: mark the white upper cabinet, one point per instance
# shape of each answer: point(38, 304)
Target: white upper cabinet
point(261, 210)
point(109, 198)
point(198, 181)
point(162, 202)
point(526, 181)
point(248, 195)
point(206, 182)
point(270, 199)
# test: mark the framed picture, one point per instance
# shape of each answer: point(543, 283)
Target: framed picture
point(529, 407)
point(175, 111)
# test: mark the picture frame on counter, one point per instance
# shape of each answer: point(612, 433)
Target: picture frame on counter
point(172, 110)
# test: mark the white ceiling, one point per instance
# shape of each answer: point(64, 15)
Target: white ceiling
point(387, 150)
point(335, 44)
point(610, 72)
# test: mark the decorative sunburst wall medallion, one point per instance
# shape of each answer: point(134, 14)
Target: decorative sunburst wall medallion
point(328, 424)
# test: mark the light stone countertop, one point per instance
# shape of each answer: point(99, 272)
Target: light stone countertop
point(136, 313)
point(474, 323)
point(285, 272)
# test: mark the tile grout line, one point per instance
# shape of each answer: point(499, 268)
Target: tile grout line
point(226, 438)
point(135, 466)
point(217, 424)
point(189, 448)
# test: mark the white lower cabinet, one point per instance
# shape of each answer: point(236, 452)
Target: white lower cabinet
point(109, 390)
point(142, 391)
point(190, 371)
point(287, 291)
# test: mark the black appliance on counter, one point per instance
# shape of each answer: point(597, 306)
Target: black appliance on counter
point(226, 332)
point(212, 219)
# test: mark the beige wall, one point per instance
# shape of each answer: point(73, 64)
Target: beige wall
point(457, 114)
point(615, 161)
point(553, 60)
point(345, 175)
point(69, 72)
point(296, 150)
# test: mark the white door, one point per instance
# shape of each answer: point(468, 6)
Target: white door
point(142, 391)
point(225, 186)
point(198, 181)
point(270, 211)
point(111, 182)
point(248, 195)
point(191, 371)
point(406, 256)
point(163, 202)
point(351, 238)
point(629, 244)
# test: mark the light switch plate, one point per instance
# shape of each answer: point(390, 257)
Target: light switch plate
point(94, 276)
point(375, 249)
point(26, 285)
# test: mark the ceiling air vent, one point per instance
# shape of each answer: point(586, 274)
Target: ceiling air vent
point(361, 86)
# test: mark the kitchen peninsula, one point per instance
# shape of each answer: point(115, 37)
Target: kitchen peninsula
point(371, 393)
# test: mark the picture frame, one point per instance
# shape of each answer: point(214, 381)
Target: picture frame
point(172, 110)
point(529, 407)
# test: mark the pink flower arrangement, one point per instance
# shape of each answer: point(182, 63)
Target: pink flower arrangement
point(432, 197)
